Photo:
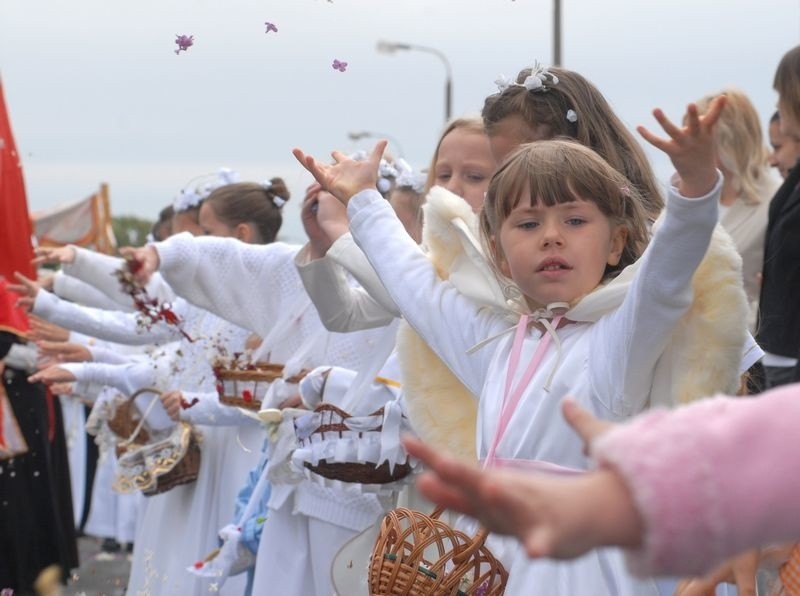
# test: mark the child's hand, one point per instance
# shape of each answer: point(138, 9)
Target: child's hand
point(740, 570)
point(54, 255)
point(45, 330)
point(346, 177)
point(553, 516)
point(147, 259)
point(584, 423)
point(63, 351)
point(27, 289)
point(53, 374)
point(691, 148)
point(171, 400)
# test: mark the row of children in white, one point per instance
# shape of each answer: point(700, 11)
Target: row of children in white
point(565, 232)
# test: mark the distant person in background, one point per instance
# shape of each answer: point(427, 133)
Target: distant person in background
point(162, 229)
point(779, 316)
point(749, 185)
point(785, 149)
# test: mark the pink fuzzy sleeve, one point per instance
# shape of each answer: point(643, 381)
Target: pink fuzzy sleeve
point(711, 479)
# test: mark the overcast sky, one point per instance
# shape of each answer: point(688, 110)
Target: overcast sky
point(96, 93)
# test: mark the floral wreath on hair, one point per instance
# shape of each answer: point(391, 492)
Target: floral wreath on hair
point(540, 80)
point(191, 196)
point(407, 177)
point(387, 173)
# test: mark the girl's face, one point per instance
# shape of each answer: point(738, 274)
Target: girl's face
point(558, 253)
point(464, 165)
point(785, 150)
point(513, 131)
point(789, 126)
point(185, 222)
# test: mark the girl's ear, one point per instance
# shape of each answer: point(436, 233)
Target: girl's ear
point(619, 234)
point(243, 232)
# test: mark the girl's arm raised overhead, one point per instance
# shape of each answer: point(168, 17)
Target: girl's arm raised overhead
point(448, 322)
point(631, 340)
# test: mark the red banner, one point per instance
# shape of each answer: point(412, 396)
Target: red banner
point(16, 251)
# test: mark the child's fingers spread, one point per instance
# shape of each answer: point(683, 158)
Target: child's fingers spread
point(692, 119)
point(377, 150)
point(338, 156)
point(441, 493)
point(669, 127)
point(654, 140)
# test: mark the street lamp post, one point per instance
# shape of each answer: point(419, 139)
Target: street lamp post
point(556, 32)
point(368, 134)
point(390, 47)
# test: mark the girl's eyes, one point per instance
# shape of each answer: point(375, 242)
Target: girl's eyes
point(443, 176)
point(476, 177)
point(575, 221)
point(527, 225)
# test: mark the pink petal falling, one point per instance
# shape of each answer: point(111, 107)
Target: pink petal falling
point(184, 42)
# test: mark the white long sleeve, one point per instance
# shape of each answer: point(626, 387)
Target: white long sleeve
point(116, 326)
point(97, 270)
point(228, 277)
point(630, 340)
point(78, 291)
point(125, 378)
point(341, 306)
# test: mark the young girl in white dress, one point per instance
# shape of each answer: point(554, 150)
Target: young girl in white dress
point(558, 221)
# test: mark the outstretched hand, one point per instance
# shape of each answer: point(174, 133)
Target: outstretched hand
point(27, 290)
point(691, 147)
point(59, 255)
point(345, 177)
point(552, 516)
point(52, 374)
point(145, 259)
point(584, 423)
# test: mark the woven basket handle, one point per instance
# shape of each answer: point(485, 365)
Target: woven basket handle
point(469, 549)
point(139, 426)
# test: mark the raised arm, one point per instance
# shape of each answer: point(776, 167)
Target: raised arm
point(630, 341)
point(447, 321)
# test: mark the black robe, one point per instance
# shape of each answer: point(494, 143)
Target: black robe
point(36, 516)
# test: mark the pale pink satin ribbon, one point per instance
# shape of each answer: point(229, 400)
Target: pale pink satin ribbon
point(511, 398)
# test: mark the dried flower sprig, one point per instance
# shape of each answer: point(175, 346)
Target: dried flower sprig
point(149, 309)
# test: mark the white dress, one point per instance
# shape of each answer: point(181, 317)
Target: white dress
point(258, 286)
point(607, 366)
point(178, 527)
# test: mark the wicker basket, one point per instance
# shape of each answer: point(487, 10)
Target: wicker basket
point(246, 388)
point(420, 555)
point(357, 472)
point(176, 471)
